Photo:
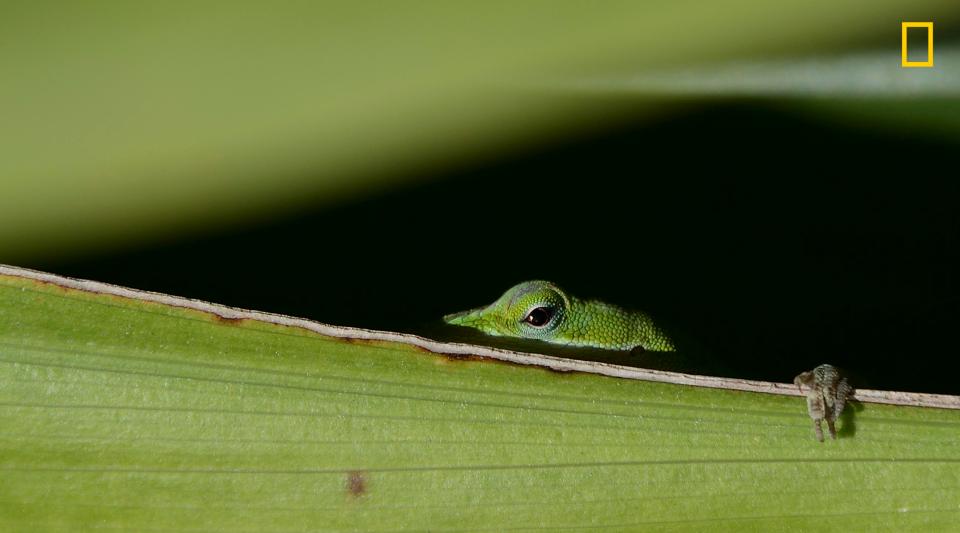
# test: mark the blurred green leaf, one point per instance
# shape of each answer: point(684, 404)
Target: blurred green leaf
point(861, 89)
point(123, 121)
point(120, 413)
point(875, 74)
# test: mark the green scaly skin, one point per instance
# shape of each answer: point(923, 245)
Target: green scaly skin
point(541, 310)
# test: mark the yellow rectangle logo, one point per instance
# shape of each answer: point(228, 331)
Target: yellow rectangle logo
point(903, 46)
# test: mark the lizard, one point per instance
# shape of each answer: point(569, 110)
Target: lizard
point(541, 310)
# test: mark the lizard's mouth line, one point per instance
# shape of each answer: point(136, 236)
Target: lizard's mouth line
point(458, 317)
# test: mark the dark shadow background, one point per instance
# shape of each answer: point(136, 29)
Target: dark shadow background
point(777, 242)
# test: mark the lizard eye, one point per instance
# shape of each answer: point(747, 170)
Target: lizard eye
point(539, 316)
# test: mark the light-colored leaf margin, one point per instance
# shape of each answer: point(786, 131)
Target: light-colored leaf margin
point(915, 399)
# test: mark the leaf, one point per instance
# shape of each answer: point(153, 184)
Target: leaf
point(121, 122)
point(863, 88)
point(875, 74)
point(137, 411)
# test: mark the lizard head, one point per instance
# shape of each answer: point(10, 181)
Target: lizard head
point(532, 309)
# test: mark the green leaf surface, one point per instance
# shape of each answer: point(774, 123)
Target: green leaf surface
point(117, 412)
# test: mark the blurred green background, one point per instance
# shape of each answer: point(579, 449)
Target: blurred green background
point(764, 174)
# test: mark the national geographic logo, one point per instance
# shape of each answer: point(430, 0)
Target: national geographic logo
point(903, 44)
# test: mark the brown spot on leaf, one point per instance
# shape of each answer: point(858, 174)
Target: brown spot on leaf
point(450, 357)
point(356, 483)
point(226, 319)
